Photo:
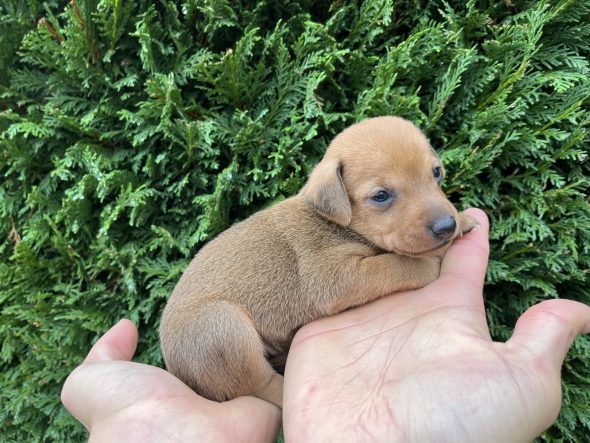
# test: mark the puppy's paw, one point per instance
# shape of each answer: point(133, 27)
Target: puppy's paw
point(466, 223)
point(431, 269)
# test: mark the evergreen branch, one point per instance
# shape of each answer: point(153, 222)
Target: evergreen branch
point(117, 167)
point(44, 22)
point(93, 50)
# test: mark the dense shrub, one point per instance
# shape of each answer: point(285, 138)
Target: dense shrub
point(133, 132)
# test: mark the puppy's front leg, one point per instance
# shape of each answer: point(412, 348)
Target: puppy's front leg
point(375, 276)
point(466, 223)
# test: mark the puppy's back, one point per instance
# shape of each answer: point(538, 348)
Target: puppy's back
point(256, 264)
point(251, 288)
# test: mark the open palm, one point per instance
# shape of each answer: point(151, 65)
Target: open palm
point(118, 400)
point(418, 366)
point(421, 366)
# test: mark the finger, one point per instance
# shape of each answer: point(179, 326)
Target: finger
point(257, 420)
point(118, 343)
point(466, 260)
point(549, 328)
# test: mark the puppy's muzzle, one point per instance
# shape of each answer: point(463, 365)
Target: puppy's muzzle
point(444, 228)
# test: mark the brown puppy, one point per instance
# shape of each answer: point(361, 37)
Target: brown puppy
point(371, 220)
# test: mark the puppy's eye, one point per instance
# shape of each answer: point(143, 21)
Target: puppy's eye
point(381, 196)
point(437, 172)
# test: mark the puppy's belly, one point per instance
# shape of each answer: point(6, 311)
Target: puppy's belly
point(276, 351)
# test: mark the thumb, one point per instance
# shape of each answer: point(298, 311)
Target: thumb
point(549, 328)
point(464, 265)
point(78, 392)
point(118, 343)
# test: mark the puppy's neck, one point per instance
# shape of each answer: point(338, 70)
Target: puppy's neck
point(345, 232)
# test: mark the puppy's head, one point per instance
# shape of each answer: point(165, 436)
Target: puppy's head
point(382, 179)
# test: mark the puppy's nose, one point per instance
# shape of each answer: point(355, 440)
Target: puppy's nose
point(444, 227)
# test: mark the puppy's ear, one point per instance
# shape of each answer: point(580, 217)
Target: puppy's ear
point(325, 192)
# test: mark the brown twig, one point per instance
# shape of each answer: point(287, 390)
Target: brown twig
point(43, 21)
point(78, 14)
point(95, 52)
point(13, 235)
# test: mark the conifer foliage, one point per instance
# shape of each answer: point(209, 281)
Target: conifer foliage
point(131, 133)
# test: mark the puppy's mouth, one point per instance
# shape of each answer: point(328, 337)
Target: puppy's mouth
point(423, 252)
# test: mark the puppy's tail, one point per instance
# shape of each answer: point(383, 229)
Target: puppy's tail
point(215, 349)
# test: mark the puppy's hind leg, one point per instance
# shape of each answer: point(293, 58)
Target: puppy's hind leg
point(218, 353)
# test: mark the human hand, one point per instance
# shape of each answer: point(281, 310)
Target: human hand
point(121, 401)
point(420, 366)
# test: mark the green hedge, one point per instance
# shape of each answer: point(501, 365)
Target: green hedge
point(133, 132)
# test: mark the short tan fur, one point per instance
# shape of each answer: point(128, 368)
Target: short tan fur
point(233, 314)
